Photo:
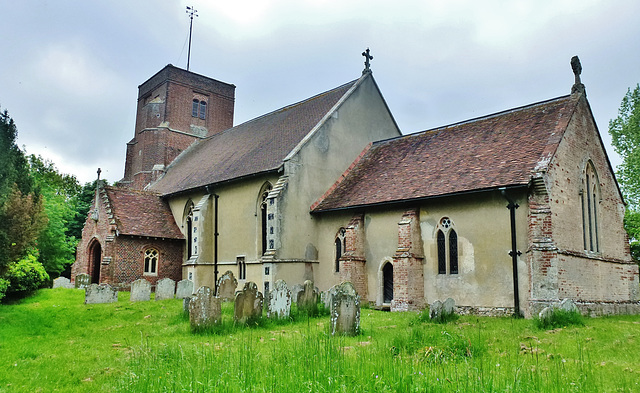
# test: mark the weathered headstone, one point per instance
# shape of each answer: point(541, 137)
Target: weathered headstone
point(448, 307)
point(83, 280)
point(345, 310)
point(295, 291)
point(204, 309)
point(184, 289)
point(307, 300)
point(185, 304)
point(62, 282)
point(546, 314)
point(227, 285)
point(327, 296)
point(165, 289)
point(435, 311)
point(248, 303)
point(102, 293)
point(568, 305)
point(279, 301)
point(140, 290)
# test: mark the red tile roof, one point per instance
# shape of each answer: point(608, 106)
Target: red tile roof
point(141, 213)
point(257, 146)
point(493, 151)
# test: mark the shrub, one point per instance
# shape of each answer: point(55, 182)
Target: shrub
point(26, 275)
point(4, 285)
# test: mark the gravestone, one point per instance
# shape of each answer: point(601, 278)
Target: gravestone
point(140, 290)
point(185, 304)
point(62, 282)
point(184, 289)
point(546, 314)
point(345, 310)
point(102, 293)
point(568, 305)
point(435, 311)
point(248, 304)
point(307, 300)
point(327, 296)
point(227, 285)
point(295, 291)
point(448, 307)
point(83, 280)
point(165, 289)
point(279, 301)
point(205, 310)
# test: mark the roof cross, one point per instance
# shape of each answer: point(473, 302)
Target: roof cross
point(367, 57)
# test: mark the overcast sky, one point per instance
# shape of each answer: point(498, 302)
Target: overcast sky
point(70, 70)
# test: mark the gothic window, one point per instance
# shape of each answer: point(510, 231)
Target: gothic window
point(151, 262)
point(203, 110)
point(195, 107)
point(189, 225)
point(590, 201)
point(265, 219)
point(447, 244)
point(340, 248)
point(242, 268)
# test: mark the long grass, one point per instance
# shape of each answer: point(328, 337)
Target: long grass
point(53, 342)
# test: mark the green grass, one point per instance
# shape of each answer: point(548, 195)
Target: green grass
point(53, 342)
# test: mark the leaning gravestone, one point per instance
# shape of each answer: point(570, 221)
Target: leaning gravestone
point(279, 301)
point(204, 309)
point(83, 280)
point(307, 300)
point(435, 311)
point(184, 289)
point(103, 293)
point(140, 290)
point(248, 304)
point(227, 285)
point(327, 296)
point(448, 307)
point(345, 310)
point(568, 305)
point(62, 282)
point(165, 289)
point(546, 314)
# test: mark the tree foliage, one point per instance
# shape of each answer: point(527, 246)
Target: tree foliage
point(625, 135)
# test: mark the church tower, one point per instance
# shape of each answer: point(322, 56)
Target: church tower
point(175, 109)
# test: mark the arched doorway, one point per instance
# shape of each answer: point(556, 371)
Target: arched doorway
point(95, 260)
point(387, 283)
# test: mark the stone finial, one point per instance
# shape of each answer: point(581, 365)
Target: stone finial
point(367, 57)
point(577, 87)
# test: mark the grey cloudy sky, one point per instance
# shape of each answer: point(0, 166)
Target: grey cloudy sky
point(69, 70)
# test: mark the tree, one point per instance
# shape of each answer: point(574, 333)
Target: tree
point(625, 135)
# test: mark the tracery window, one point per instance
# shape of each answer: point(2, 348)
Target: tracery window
point(340, 248)
point(151, 262)
point(590, 199)
point(447, 244)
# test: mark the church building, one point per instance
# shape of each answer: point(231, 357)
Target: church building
point(505, 213)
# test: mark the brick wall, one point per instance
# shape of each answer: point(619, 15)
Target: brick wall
point(353, 260)
point(408, 273)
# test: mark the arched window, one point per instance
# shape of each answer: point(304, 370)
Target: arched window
point(150, 262)
point(203, 110)
point(265, 220)
point(340, 248)
point(188, 222)
point(447, 243)
point(387, 283)
point(194, 107)
point(590, 201)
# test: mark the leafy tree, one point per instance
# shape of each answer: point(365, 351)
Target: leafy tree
point(625, 134)
point(82, 203)
point(13, 164)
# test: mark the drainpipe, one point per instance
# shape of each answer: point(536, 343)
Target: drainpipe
point(514, 253)
point(215, 244)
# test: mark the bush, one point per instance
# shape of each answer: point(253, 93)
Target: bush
point(4, 285)
point(26, 275)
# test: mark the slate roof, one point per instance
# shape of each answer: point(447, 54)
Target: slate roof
point(257, 146)
point(141, 213)
point(484, 153)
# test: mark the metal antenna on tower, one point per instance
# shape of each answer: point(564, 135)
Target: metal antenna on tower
point(191, 11)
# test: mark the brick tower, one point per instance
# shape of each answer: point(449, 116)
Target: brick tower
point(175, 108)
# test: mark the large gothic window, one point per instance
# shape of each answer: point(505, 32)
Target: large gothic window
point(151, 262)
point(266, 221)
point(590, 201)
point(188, 221)
point(340, 248)
point(447, 244)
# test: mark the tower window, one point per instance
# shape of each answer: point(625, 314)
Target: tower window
point(194, 108)
point(199, 109)
point(203, 110)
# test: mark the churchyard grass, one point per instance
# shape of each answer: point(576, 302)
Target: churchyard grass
point(53, 342)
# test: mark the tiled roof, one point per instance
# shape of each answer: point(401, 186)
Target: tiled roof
point(141, 213)
point(257, 146)
point(493, 151)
